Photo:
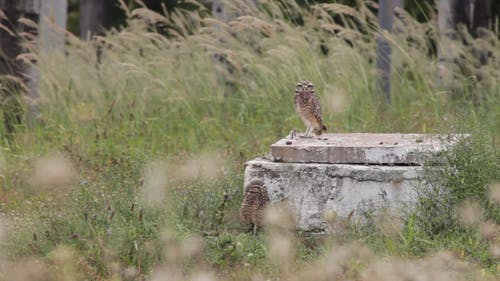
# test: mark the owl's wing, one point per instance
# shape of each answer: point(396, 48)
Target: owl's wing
point(316, 107)
point(265, 195)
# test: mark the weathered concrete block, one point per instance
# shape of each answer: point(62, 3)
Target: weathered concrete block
point(310, 189)
point(346, 173)
point(362, 148)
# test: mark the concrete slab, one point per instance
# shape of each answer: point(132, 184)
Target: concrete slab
point(346, 174)
point(362, 148)
point(311, 189)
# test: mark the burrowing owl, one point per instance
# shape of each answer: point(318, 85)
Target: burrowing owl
point(255, 200)
point(308, 108)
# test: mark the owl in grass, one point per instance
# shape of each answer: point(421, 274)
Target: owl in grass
point(308, 108)
point(255, 200)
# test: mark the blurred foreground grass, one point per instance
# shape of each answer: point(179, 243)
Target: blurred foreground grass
point(135, 171)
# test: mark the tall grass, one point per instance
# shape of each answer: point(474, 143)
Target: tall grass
point(220, 85)
point(145, 120)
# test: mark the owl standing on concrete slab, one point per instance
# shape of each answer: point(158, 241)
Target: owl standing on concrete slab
point(255, 200)
point(308, 108)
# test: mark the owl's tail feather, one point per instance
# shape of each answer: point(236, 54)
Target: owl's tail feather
point(319, 131)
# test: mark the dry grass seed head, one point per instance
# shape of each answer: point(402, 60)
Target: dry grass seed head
point(171, 245)
point(177, 250)
point(330, 216)
point(30, 269)
point(130, 273)
point(469, 213)
point(3, 231)
point(166, 274)
point(53, 172)
point(281, 249)
point(336, 99)
point(151, 17)
point(494, 193)
point(156, 181)
point(389, 224)
point(65, 263)
point(191, 246)
point(3, 166)
point(205, 166)
point(489, 230)
point(279, 215)
point(337, 264)
point(203, 276)
point(495, 250)
point(442, 266)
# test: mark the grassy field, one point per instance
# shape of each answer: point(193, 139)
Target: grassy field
point(135, 169)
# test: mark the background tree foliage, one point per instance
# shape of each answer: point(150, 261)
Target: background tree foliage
point(421, 10)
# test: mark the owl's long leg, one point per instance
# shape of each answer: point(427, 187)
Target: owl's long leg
point(308, 132)
point(254, 229)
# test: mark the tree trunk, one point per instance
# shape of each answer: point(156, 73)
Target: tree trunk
point(24, 76)
point(474, 14)
point(385, 19)
point(94, 17)
point(53, 24)
point(446, 24)
point(218, 10)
